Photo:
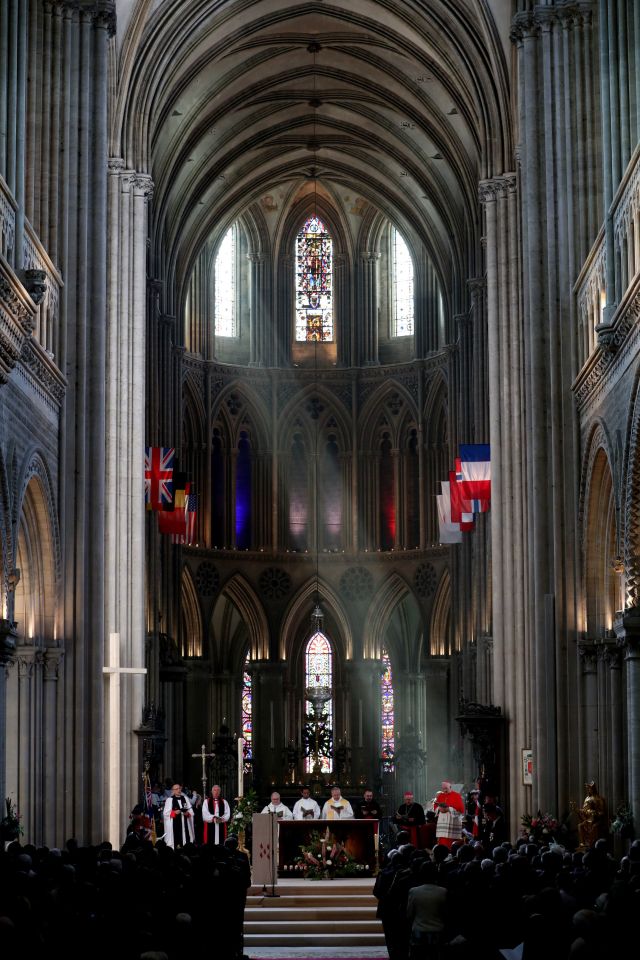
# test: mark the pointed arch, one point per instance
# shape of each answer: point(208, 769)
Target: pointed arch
point(603, 594)
point(37, 555)
point(396, 402)
point(240, 594)
point(192, 639)
point(440, 631)
point(391, 593)
point(296, 619)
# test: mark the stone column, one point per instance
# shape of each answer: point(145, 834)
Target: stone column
point(258, 326)
point(589, 755)
point(52, 708)
point(369, 309)
point(363, 721)
point(627, 630)
point(129, 195)
point(612, 657)
point(268, 721)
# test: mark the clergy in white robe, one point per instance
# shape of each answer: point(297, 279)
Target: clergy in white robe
point(337, 808)
point(306, 807)
point(178, 819)
point(215, 814)
point(282, 812)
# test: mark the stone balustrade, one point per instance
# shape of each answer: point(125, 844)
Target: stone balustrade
point(8, 209)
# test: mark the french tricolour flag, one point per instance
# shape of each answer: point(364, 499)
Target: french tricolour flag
point(475, 468)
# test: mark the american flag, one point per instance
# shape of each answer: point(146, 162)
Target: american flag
point(191, 507)
point(158, 476)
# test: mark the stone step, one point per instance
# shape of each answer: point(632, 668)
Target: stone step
point(305, 901)
point(310, 925)
point(312, 912)
point(329, 940)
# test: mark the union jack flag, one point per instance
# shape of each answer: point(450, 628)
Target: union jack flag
point(158, 476)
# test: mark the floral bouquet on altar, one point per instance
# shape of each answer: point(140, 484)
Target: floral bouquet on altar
point(10, 827)
point(541, 827)
point(243, 812)
point(325, 858)
point(623, 823)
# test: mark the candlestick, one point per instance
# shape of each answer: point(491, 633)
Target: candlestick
point(240, 765)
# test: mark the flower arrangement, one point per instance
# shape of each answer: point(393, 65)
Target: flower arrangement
point(540, 827)
point(623, 823)
point(325, 857)
point(243, 812)
point(10, 827)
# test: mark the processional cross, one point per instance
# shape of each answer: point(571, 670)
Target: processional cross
point(204, 756)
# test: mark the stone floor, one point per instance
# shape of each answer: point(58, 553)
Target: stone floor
point(258, 953)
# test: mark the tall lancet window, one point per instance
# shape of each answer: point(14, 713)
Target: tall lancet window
point(401, 287)
point(225, 286)
point(387, 715)
point(243, 492)
point(318, 664)
point(247, 715)
point(298, 485)
point(330, 494)
point(314, 283)
point(387, 495)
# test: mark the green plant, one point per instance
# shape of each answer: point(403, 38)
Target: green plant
point(540, 827)
point(10, 827)
point(326, 857)
point(243, 812)
point(623, 823)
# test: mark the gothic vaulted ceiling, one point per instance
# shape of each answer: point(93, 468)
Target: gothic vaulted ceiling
point(400, 105)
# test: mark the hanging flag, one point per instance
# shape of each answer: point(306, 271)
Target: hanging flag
point(191, 507)
point(461, 511)
point(174, 521)
point(158, 476)
point(475, 467)
point(450, 532)
point(474, 505)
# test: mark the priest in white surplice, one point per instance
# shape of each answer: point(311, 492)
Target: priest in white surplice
point(178, 819)
point(337, 808)
point(306, 807)
point(215, 814)
point(282, 812)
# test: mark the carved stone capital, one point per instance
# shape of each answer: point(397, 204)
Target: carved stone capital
point(115, 165)
point(36, 283)
point(8, 639)
point(531, 23)
point(52, 661)
point(497, 188)
point(104, 16)
point(627, 630)
point(588, 653)
point(142, 185)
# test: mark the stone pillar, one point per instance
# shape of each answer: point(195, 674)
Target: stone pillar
point(627, 630)
point(612, 657)
point(363, 721)
point(52, 707)
point(258, 326)
point(369, 309)
point(268, 722)
point(129, 195)
point(589, 755)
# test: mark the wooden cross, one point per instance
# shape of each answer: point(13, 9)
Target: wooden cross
point(114, 787)
point(203, 756)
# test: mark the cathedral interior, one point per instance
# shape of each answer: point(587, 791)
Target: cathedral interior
point(312, 247)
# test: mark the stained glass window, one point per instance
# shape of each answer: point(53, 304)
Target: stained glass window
point(388, 740)
point(247, 717)
point(243, 492)
point(319, 673)
point(225, 286)
point(402, 287)
point(314, 269)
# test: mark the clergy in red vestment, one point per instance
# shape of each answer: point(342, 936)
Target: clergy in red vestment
point(215, 816)
point(449, 807)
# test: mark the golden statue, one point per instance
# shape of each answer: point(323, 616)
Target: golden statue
point(594, 822)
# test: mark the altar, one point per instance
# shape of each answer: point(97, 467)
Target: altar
point(360, 838)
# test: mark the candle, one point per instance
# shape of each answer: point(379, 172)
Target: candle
point(240, 765)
